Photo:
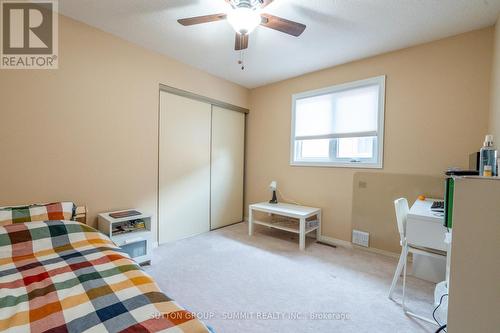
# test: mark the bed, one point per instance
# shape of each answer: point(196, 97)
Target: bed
point(64, 276)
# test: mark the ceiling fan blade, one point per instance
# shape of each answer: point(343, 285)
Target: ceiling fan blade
point(283, 25)
point(264, 3)
point(230, 2)
point(241, 42)
point(202, 19)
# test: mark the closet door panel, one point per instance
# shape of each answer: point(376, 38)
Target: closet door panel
point(184, 162)
point(227, 165)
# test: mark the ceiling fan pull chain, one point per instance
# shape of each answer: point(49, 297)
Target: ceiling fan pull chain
point(241, 61)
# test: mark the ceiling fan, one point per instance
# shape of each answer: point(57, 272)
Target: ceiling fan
point(244, 17)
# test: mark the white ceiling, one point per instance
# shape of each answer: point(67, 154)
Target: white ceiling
point(338, 31)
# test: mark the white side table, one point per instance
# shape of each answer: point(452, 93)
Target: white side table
point(302, 213)
point(137, 242)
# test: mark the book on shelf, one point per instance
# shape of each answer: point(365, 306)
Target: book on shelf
point(122, 229)
point(126, 213)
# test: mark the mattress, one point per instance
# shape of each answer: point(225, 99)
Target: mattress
point(64, 276)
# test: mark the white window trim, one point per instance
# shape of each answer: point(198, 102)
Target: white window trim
point(380, 80)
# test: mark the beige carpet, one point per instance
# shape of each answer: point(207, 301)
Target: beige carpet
point(260, 284)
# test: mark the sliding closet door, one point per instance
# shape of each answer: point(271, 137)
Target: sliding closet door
point(184, 162)
point(228, 146)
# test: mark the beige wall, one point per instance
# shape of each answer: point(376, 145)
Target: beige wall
point(373, 203)
point(437, 104)
point(88, 131)
point(495, 87)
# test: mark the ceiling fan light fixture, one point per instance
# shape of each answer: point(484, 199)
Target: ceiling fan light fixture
point(244, 20)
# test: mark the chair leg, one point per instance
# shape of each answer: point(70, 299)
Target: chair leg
point(405, 309)
point(404, 277)
point(397, 274)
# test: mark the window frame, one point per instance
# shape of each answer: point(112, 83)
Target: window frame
point(343, 163)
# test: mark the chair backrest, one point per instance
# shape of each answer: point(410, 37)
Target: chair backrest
point(402, 209)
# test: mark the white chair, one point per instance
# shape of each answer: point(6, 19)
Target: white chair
point(402, 209)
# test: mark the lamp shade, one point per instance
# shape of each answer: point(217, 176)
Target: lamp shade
point(274, 185)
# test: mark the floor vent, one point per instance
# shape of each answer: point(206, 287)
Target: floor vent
point(360, 238)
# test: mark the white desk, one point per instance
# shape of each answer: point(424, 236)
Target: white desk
point(289, 210)
point(424, 228)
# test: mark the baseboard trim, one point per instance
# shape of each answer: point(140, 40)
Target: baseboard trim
point(225, 226)
point(378, 251)
point(335, 241)
point(349, 245)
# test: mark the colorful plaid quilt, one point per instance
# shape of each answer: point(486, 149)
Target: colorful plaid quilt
point(37, 212)
point(64, 276)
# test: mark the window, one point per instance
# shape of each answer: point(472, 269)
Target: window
point(339, 126)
